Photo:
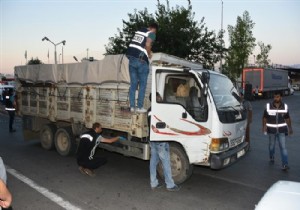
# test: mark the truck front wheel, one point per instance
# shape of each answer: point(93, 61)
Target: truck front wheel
point(180, 165)
point(47, 136)
point(64, 141)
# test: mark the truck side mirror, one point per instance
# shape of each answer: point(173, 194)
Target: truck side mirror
point(205, 80)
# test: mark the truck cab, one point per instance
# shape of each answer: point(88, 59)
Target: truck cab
point(200, 115)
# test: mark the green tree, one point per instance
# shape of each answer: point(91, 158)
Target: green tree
point(262, 58)
point(179, 34)
point(34, 61)
point(241, 45)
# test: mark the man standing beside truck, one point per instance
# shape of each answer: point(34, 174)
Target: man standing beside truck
point(160, 151)
point(10, 107)
point(248, 108)
point(277, 124)
point(139, 53)
point(89, 141)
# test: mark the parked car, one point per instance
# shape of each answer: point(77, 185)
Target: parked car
point(296, 87)
point(281, 195)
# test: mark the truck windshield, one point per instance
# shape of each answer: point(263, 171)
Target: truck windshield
point(224, 93)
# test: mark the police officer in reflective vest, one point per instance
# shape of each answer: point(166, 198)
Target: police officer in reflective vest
point(277, 124)
point(138, 54)
point(10, 105)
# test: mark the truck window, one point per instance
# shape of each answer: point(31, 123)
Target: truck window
point(176, 91)
point(186, 92)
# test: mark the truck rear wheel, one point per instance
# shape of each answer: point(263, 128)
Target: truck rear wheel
point(180, 165)
point(47, 136)
point(64, 141)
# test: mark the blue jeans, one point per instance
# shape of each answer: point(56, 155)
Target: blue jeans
point(138, 71)
point(160, 151)
point(280, 137)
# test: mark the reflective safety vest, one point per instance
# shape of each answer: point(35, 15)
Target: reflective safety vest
point(276, 118)
point(9, 104)
point(137, 46)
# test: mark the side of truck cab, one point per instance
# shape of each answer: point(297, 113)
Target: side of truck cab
point(200, 115)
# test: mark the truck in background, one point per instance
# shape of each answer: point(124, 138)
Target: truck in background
point(200, 114)
point(266, 80)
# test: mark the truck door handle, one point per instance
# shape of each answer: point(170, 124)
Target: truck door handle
point(160, 125)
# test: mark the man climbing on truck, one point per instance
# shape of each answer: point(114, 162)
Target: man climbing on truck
point(138, 54)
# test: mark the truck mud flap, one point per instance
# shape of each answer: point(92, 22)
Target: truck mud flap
point(28, 123)
point(218, 161)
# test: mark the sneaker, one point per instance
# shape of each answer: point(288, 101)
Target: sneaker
point(285, 167)
point(157, 187)
point(174, 189)
point(271, 159)
point(132, 109)
point(89, 172)
point(81, 169)
point(141, 110)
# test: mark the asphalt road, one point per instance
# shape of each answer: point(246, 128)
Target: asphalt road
point(40, 179)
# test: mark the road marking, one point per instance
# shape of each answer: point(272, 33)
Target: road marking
point(44, 191)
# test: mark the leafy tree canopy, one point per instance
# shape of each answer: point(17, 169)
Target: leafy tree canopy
point(179, 34)
point(262, 59)
point(34, 61)
point(241, 46)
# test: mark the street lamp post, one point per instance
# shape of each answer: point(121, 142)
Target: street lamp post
point(55, 54)
point(221, 36)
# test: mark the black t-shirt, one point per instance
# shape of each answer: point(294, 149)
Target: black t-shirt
point(86, 145)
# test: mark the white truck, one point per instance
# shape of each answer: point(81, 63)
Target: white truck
point(200, 115)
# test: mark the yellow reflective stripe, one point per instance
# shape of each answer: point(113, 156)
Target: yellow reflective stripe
point(139, 48)
point(143, 33)
point(274, 111)
point(276, 125)
point(88, 136)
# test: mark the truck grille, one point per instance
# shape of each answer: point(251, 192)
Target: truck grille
point(235, 142)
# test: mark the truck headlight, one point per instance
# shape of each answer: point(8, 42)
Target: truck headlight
point(219, 144)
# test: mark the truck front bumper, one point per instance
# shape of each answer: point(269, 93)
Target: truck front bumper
point(221, 160)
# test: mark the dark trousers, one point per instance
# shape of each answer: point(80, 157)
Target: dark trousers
point(11, 119)
point(247, 139)
point(92, 164)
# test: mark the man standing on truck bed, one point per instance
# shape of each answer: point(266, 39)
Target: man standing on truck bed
point(138, 53)
point(277, 124)
point(89, 141)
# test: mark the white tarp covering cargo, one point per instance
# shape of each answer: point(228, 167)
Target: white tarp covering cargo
point(113, 68)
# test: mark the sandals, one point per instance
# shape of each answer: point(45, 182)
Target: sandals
point(86, 171)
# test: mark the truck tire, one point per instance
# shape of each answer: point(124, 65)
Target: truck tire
point(47, 136)
point(64, 141)
point(180, 165)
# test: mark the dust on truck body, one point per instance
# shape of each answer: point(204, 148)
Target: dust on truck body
point(267, 80)
point(200, 114)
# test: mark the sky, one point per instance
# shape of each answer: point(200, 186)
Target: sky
point(86, 25)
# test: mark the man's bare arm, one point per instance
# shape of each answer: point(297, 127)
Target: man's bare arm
point(5, 195)
point(148, 47)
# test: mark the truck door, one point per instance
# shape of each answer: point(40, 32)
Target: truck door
point(183, 111)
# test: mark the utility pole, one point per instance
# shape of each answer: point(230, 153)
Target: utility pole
point(221, 36)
